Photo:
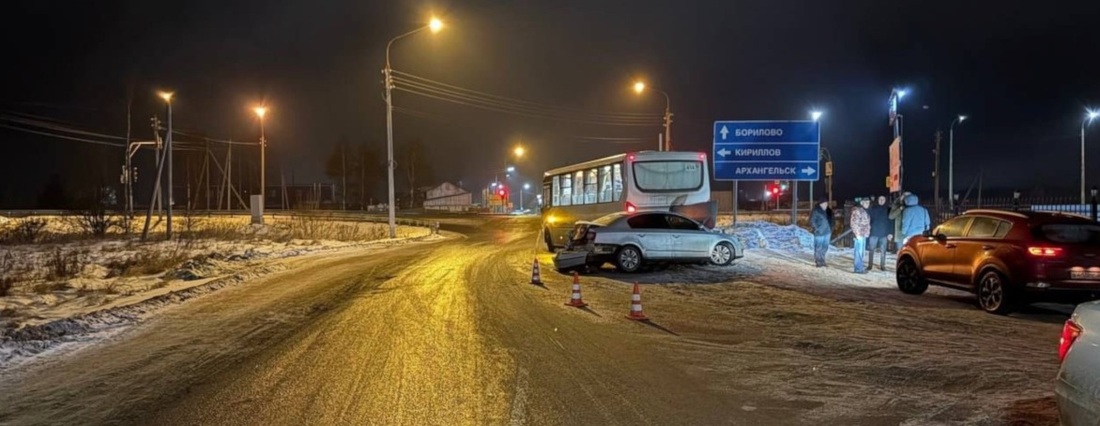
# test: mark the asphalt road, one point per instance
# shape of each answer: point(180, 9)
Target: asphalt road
point(441, 333)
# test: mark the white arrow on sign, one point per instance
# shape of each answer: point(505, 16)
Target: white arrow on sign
point(808, 171)
point(724, 152)
point(724, 132)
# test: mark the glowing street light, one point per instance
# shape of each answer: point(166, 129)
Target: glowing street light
point(815, 115)
point(434, 25)
point(639, 87)
point(519, 151)
point(951, 161)
point(261, 112)
point(1089, 116)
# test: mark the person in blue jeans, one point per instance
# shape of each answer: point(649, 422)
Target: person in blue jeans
point(882, 232)
point(860, 221)
point(822, 226)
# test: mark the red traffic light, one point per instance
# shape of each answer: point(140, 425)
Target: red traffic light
point(775, 189)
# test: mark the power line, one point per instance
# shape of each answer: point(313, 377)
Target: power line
point(474, 93)
point(456, 97)
point(71, 138)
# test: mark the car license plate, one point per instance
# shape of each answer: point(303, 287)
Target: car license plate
point(1085, 275)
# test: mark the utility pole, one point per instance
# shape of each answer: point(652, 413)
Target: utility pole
point(168, 155)
point(344, 176)
point(936, 170)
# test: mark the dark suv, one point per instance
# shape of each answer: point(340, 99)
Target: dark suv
point(1006, 258)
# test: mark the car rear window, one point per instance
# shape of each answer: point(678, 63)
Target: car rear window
point(1072, 233)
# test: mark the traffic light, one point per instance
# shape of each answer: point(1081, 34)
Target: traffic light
point(776, 189)
point(502, 191)
point(783, 186)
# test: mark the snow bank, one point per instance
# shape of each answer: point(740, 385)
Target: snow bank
point(760, 235)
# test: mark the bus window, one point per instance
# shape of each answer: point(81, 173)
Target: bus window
point(566, 195)
point(605, 184)
point(578, 188)
point(590, 186)
point(555, 191)
point(660, 176)
point(617, 182)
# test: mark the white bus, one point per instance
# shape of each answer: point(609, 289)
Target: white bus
point(647, 180)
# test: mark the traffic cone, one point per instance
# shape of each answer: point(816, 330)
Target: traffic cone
point(536, 277)
point(636, 312)
point(576, 300)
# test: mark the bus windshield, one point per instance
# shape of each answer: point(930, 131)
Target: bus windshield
point(664, 176)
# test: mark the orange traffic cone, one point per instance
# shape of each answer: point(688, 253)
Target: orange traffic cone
point(636, 312)
point(536, 277)
point(576, 300)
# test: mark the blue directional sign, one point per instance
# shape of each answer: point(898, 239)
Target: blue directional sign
point(767, 150)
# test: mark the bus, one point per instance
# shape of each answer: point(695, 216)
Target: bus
point(629, 182)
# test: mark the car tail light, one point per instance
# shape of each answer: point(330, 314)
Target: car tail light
point(1070, 332)
point(1045, 251)
point(630, 207)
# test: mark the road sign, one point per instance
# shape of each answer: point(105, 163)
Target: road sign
point(767, 150)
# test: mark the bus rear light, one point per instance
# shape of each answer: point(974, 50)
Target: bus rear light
point(630, 207)
point(630, 157)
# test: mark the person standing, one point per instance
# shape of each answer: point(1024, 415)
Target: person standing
point(914, 219)
point(882, 231)
point(861, 229)
point(822, 226)
point(895, 215)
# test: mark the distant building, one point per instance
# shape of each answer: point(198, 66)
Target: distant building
point(448, 197)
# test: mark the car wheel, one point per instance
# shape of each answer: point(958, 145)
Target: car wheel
point(721, 254)
point(549, 239)
point(993, 293)
point(910, 280)
point(628, 259)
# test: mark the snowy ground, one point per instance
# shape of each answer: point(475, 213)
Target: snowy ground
point(69, 286)
point(842, 348)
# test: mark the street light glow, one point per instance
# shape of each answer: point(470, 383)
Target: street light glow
point(901, 93)
point(1092, 114)
point(815, 115)
point(526, 186)
point(435, 25)
point(962, 118)
point(519, 151)
point(510, 169)
point(261, 111)
point(167, 96)
point(639, 87)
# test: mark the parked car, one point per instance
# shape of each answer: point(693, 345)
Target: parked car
point(1006, 258)
point(633, 241)
point(1077, 388)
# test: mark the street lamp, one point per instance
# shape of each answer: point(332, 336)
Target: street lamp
point(261, 111)
point(639, 87)
point(167, 96)
point(519, 151)
point(526, 186)
point(816, 116)
point(434, 25)
point(951, 160)
point(1089, 116)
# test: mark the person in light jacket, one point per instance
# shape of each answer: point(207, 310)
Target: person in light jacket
point(822, 226)
point(861, 229)
point(914, 219)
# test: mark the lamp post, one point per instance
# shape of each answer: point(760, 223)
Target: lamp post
point(167, 96)
point(639, 87)
point(951, 159)
point(261, 111)
point(527, 186)
point(434, 25)
point(816, 116)
point(1089, 116)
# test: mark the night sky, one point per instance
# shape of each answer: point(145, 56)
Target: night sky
point(1024, 72)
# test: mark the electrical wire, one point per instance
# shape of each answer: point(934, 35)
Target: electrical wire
point(56, 127)
point(428, 94)
point(474, 93)
point(452, 96)
point(71, 138)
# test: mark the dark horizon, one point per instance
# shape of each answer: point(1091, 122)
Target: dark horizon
point(1018, 71)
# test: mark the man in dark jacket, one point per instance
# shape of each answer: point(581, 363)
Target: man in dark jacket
point(823, 231)
point(882, 231)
